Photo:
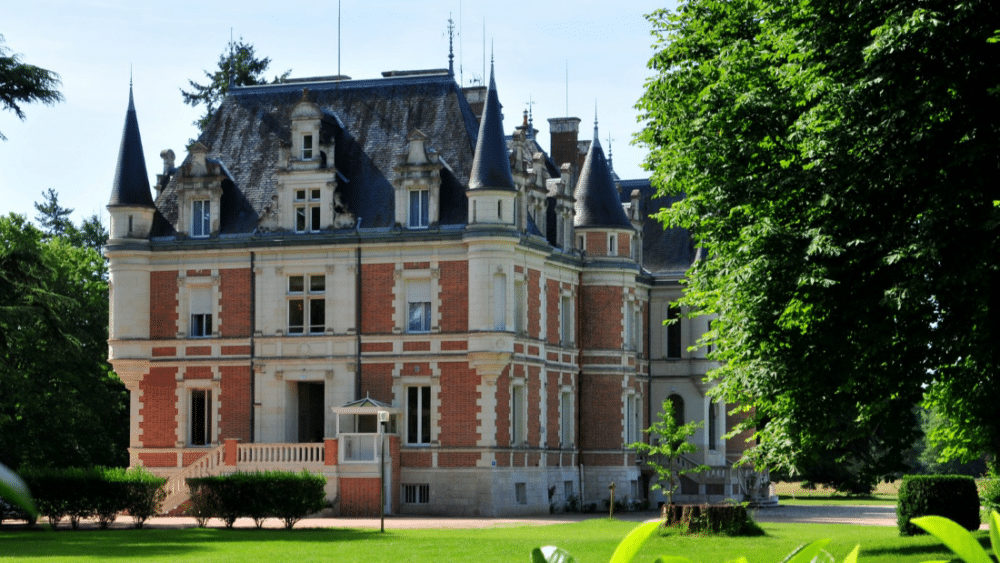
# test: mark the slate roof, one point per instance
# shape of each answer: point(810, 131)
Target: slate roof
point(597, 201)
point(368, 120)
point(664, 251)
point(131, 184)
point(491, 167)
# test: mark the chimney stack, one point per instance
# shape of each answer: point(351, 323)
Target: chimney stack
point(564, 133)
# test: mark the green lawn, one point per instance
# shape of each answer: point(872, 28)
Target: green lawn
point(591, 542)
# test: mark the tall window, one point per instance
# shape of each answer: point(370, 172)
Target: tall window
point(201, 417)
point(673, 332)
point(518, 415)
point(713, 426)
point(612, 244)
point(201, 312)
point(418, 306)
point(307, 147)
point(418, 415)
point(419, 214)
point(630, 429)
point(306, 304)
point(520, 303)
point(201, 218)
point(499, 302)
point(678, 405)
point(566, 422)
point(307, 211)
point(566, 324)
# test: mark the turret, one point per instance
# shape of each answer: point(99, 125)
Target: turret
point(131, 205)
point(601, 226)
point(491, 189)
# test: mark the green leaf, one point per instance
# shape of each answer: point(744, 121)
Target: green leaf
point(995, 533)
point(852, 557)
point(740, 560)
point(807, 553)
point(629, 546)
point(672, 559)
point(13, 489)
point(551, 554)
point(957, 538)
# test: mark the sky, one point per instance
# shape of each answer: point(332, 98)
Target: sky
point(567, 58)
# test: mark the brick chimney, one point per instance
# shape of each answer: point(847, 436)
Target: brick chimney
point(476, 96)
point(564, 132)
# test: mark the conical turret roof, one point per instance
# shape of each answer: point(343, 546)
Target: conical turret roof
point(131, 185)
point(491, 163)
point(597, 200)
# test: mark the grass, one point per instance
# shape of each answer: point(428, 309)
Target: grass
point(792, 494)
point(591, 541)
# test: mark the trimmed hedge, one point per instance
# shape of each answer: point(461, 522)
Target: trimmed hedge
point(727, 519)
point(96, 492)
point(952, 496)
point(258, 495)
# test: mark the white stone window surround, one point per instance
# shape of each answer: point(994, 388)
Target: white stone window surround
point(185, 407)
point(631, 417)
point(310, 295)
point(410, 284)
point(187, 286)
point(201, 218)
point(567, 318)
point(518, 413)
point(566, 417)
point(418, 208)
point(308, 209)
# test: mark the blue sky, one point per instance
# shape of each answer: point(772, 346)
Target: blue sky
point(72, 147)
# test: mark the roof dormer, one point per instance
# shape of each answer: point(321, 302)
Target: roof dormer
point(200, 194)
point(308, 149)
point(418, 184)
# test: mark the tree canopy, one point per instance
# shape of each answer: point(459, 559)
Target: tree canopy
point(60, 403)
point(21, 83)
point(840, 166)
point(238, 64)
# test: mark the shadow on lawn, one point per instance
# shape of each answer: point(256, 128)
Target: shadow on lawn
point(136, 545)
point(932, 548)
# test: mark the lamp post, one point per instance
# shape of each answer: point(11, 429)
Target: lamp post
point(383, 417)
point(611, 504)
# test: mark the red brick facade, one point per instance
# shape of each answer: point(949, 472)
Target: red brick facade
point(601, 320)
point(459, 409)
point(377, 285)
point(454, 296)
point(162, 305)
point(234, 306)
point(234, 399)
point(158, 427)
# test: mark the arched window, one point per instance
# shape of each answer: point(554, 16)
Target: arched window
point(678, 405)
point(713, 426)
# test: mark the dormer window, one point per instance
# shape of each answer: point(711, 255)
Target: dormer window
point(201, 218)
point(307, 147)
point(612, 245)
point(419, 209)
point(307, 211)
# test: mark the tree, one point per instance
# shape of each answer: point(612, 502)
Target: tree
point(671, 443)
point(60, 403)
point(839, 161)
point(22, 83)
point(239, 66)
point(52, 217)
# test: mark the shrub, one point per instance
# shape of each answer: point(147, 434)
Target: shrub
point(258, 495)
point(143, 494)
point(726, 519)
point(951, 496)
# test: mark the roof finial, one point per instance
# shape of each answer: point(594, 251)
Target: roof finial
point(531, 121)
point(610, 166)
point(451, 47)
point(232, 60)
point(595, 119)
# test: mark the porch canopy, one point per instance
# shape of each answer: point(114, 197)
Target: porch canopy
point(365, 413)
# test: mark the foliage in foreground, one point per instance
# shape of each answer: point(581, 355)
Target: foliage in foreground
point(959, 540)
point(837, 162)
point(258, 495)
point(21, 83)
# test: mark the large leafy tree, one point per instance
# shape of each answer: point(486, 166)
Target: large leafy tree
point(60, 403)
point(238, 65)
point(840, 162)
point(21, 83)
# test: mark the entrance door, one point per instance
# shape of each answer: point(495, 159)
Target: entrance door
point(311, 413)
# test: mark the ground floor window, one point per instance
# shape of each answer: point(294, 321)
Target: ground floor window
point(416, 494)
point(201, 418)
